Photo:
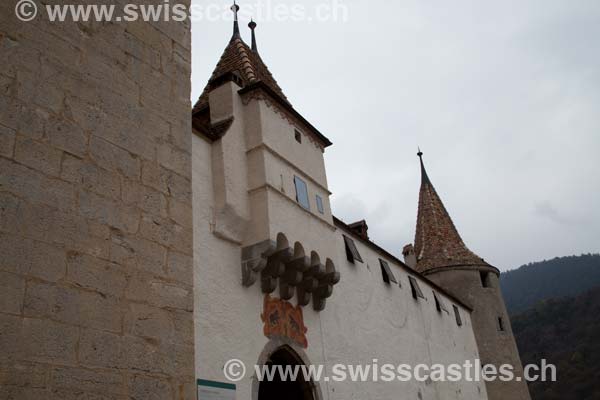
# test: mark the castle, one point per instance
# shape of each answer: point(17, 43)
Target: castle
point(267, 249)
point(141, 249)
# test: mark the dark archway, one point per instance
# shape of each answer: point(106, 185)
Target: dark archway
point(279, 388)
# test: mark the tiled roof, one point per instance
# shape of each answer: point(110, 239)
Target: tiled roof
point(437, 241)
point(239, 59)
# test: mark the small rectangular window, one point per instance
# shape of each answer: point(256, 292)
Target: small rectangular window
point(416, 290)
point(301, 193)
point(386, 271)
point(501, 324)
point(457, 315)
point(298, 136)
point(485, 279)
point(320, 204)
point(439, 304)
point(351, 250)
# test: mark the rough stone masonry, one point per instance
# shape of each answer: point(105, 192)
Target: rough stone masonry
point(96, 274)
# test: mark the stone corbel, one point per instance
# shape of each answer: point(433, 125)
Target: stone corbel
point(327, 280)
point(310, 283)
point(292, 277)
point(275, 269)
point(254, 261)
point(280, 265)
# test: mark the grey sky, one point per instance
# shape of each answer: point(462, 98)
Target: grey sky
point(503, 97)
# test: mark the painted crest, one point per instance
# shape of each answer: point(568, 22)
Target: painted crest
point(282, 319)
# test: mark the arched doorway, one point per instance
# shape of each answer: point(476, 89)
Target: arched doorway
point(279, 388)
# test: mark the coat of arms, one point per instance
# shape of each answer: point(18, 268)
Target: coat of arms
point(283, 319)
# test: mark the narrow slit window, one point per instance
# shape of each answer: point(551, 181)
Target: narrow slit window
point(485, 279)
point(386, 271)
point(298, 136)
point(457, 315)
point(416, 290)
point(320, 204)
point(501, 324)
point(439, 303)
point(301, 193)
point(351, 250)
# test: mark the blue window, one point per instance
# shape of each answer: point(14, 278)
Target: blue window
point(301, 193)
point(320, 204)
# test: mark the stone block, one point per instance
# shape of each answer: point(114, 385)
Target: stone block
point(109, 212)
point(140, 50)
point(94, 274)
point(36, 187)
point(7, 141)
point(157, 292)
point(9, 207)
point(145, 388)
point(176, 160)
point(135, 252)
point(28, 257)
point(148, 199)
point(86, 380)
point(72, 306)
point(181, 213)
point(67, 136)
point(184, 327)
point(90, 177)
point(23, 374)
point(166, 181)
point(12, 288)
point(48, 341)
point(38, 156)
point(149, 322)
point(114, 158)
point(101, 349)
point(166, 232)
point(180, 268)
point(67, 229)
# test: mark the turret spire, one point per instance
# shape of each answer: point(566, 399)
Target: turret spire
point(437, 241)
point(424, 177)
point(252, 26)
point(236, 27)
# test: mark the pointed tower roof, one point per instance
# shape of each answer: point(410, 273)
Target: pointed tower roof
point(437, 241)
point(246, 65)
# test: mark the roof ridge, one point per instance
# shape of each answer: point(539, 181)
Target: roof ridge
point(241, 48)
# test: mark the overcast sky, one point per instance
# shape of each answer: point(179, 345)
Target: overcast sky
point(502, 96)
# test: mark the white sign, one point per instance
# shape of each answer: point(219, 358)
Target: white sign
point(211, 390)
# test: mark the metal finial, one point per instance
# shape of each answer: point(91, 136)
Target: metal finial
point(424, 177)
point(236, 28)
point(252, 26)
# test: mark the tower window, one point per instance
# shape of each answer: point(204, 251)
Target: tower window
point(485, 279)
point(416, 290)
point(501, 324)
point(386, 272)
point(457, 315)
point(301, 193)
point(298, 136)
point(439, 304)
point(320, 204)
point(351, 250)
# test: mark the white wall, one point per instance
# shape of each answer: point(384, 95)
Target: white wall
point(363, 320)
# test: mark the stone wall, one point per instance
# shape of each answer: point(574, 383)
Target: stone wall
point(96, 279)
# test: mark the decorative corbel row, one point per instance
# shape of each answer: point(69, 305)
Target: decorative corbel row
point(278, 266)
